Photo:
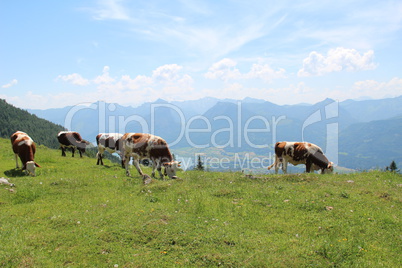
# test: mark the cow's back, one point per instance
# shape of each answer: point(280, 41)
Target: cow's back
point(16, 135)
point(293, 152)
point(68, 138)
point(147, 146)
point(23, 145)
point(109, 140)
point(138, 143)
point(20, 141)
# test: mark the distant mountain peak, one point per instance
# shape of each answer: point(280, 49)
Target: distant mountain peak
point(252, 100)
point(160, 101)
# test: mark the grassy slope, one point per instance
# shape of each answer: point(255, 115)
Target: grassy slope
point(77, 214)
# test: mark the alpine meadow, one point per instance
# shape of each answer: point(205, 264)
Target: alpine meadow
point(77, 214)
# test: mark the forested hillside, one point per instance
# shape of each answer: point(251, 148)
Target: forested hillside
point(40, 130)
point(371, 145)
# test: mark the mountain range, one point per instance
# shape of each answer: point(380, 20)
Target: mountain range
point(357, 135)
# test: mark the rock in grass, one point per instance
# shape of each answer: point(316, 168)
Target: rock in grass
point(6, 182)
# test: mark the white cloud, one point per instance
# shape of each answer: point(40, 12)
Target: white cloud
point(167, 81)
point(167, 73)
point(74, 79)
point(336, 60)
point(171, 82)
point(265, 72)
point(105, 77)
point(12, 83)
point(226, 70)
point(136, 83)
point(377, 89)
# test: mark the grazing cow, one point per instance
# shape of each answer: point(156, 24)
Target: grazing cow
point(141, 145)
point(73, 140)
point(301, 153)
point(108, 142)
point(24, 148)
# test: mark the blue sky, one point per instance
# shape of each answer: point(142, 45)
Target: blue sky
point(59, 53)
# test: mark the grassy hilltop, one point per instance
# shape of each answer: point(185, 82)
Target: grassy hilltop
point(77, 214)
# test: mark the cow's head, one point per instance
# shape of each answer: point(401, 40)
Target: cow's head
point(171, 168)
point(30, 167)
point(83, 145)
point(329, 169)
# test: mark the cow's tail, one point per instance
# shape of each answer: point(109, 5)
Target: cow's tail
point(271, 166)
point(277, 161)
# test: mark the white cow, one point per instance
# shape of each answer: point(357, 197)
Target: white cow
point(108, 142)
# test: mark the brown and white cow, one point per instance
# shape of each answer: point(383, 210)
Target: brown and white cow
point(73, 140)
point(301, 153)
point(24, 148)
point(142, 145)
point(108, 142)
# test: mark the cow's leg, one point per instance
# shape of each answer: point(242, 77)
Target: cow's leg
point(73, 150)
point(63, 151)
point(159, 168)
point(160, 171)
point(156, 165)
point(99, 156)
point(80, 151)
point(136, 163)
point(122, 160)
point(284, 166)
point(277, 163)
point(277, 166)
point(153, 167)
point(122, 154)
point(308, 166)
point(126, 162)
point(16, 160)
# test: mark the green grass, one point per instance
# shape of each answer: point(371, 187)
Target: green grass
point(77, 214)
